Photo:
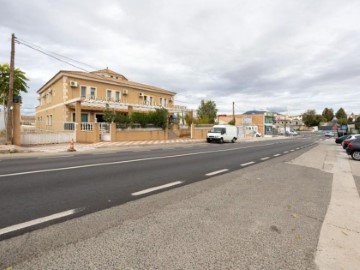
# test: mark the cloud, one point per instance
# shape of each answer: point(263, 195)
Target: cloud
point(286, 55)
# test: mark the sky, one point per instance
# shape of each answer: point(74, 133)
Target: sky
point(284, 56)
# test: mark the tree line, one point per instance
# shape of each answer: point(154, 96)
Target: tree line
point(311, 119)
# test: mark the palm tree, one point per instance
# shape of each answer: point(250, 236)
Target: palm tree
point(20, 85)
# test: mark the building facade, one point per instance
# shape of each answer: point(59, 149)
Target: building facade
point(252, 122)
point(81, 97)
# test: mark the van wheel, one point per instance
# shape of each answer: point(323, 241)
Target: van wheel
point(221, 140)
point(356, 155)
point(233, 140)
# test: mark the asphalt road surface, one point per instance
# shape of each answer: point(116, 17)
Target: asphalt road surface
point(255, 210)
point(39, 191)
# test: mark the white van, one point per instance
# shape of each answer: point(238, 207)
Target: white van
point(222, 133)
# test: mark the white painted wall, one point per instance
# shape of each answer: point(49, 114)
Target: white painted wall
point(2, 123)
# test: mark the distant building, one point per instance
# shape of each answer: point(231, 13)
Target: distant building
point(252, 121)
point(284, 122)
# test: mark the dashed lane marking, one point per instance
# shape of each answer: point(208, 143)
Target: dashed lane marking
point(247, 164)
point(217, 172)
point(264, 158)
point(156, 188)
point(39, 221)
point(276, 155)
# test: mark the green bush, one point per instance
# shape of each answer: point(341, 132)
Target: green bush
point(158, 118)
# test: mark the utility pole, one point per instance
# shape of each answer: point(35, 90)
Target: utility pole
point(10, 107)
point(234, 112)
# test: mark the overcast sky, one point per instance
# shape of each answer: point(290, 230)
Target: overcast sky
point(280, 55)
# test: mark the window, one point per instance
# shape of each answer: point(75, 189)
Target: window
point(108, 95)
point(84, 117)
point(93, 92)
point(49, 120)
point(49, 96)
point(117, 96)
point(83, 91)
point(161, 101)
point(151, 100)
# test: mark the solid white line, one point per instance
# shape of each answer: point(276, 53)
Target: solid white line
point(127, 161)
point(264, 158)
point(216, 172)
point(38, 221)
point(55, 157)
point(247, 164)
point(156, 188)
point(276, 155)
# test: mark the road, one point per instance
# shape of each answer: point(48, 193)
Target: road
point(39, 191)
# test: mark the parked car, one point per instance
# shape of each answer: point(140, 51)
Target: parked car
point(351, 138)
point(353, 149)
point(339, 140)
point(291, 133)
point(329, 134)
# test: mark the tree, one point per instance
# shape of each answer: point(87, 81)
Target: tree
point(189, 119)
point(341, 117)
point(109, 115)
point(20, 84)
point(328, 114)
point(311, 119)
point(357, 123)
point(207, 112)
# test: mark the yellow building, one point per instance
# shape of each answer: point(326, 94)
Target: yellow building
point(81, 97)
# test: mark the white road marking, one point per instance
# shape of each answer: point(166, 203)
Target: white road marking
point(264, 158)
point(127, 161)
point(297, 148)
point(55, 157)
point(217, 172)
point(292, 150)
point(247, 164)
point(38, 221)
point(276, 155)
point(285, 152)
point(156, 188)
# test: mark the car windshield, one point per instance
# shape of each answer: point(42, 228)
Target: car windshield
point(217, 130)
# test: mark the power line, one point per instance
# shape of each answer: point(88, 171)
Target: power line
point(27, 44)
point(53, 54)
